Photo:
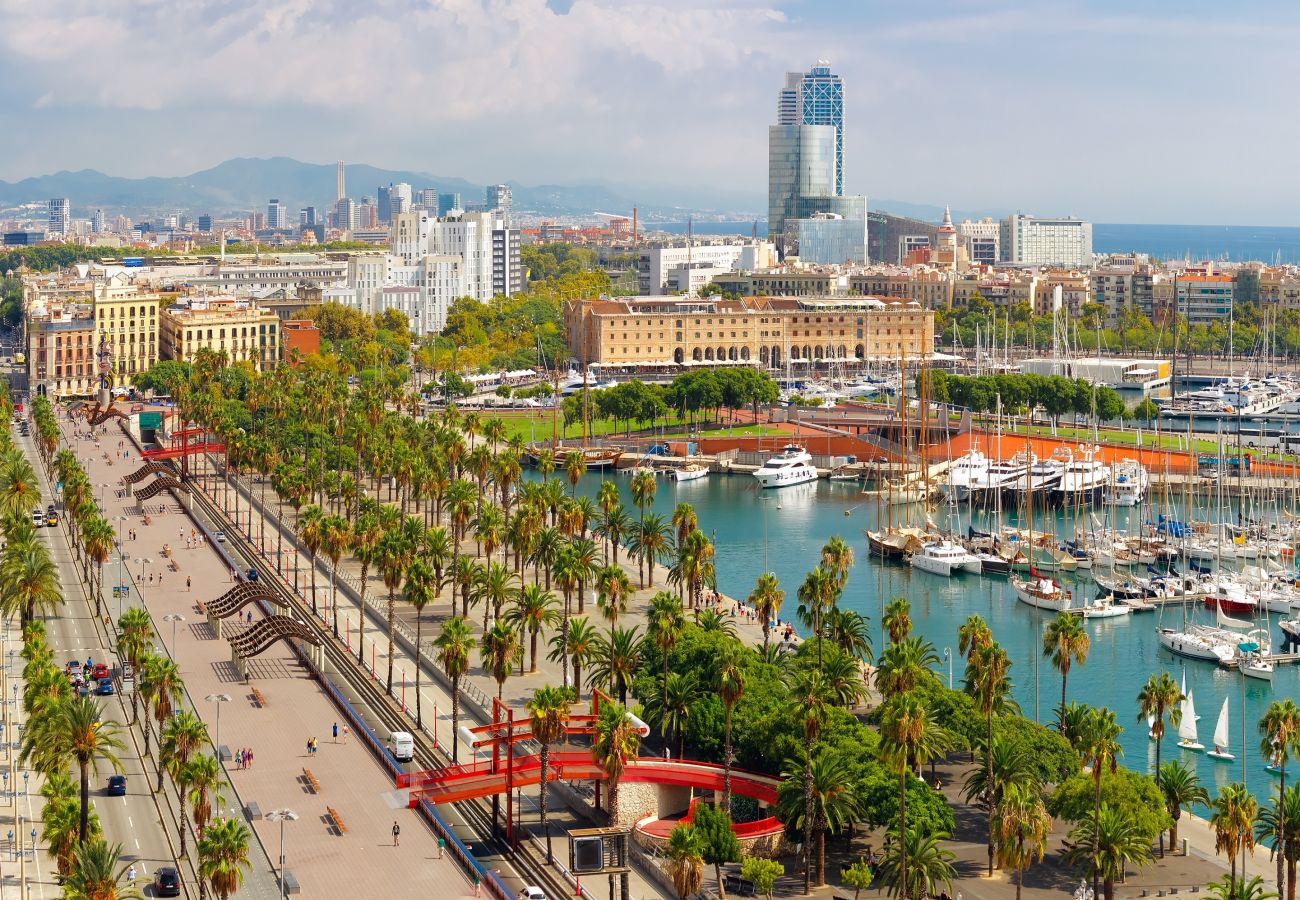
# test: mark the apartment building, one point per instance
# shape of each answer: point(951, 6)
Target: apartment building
point(240, 330)
point(126, 324)
point(649, 332)
point(654, 263)
point(61, 351)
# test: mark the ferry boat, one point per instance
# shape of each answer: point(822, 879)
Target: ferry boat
point(692, 472)
point(1083, 479)
point(964, 472)
point(793, 465)
point(946, 558)
point(1043, 593)
point(1128, 483)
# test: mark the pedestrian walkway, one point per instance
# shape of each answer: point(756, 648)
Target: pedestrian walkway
point(346, 852)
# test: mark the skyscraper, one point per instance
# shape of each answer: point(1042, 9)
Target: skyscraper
point(800, 164)
point(448, 202)
point(429, 200)
point(815, 98)
point(385, 207)
point(399, 198)
point(59, 211)
point(339, 188)
point(500, 197)
point(97, 223)
point(277, 215)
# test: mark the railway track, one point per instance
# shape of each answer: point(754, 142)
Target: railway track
point(477, 814)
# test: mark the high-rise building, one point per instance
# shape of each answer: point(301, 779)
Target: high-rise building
point(500, 197)
point(97, 223)
point(384, 207)
point(307, 216)
point(447, 203)
point(1028, 240)
point(339, 187)
point(205, 223)
point(981, 239)
point(429, 200)
point(345, 214)
point(277, 215)
point(59, 211)
point(399, 197)
point(800, 163)
point(816, 97)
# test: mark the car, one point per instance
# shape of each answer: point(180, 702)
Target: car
point(52, 519)
point(167, 882)
point(219, 537)
point(116, 786)
point(100, 670)
point(83, 688)
point(532, 893)
point(50, 510)
point(38, 518)
point(73, 668)
point(105, 687)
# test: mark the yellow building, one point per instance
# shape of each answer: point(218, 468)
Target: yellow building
point(768, 331)
point(127, 321)
point(234, 327)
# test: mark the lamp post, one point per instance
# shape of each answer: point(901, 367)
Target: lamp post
point(218, 699)
point(174, 618)
point(947, 656)
point(281, 816)
point(143, 562)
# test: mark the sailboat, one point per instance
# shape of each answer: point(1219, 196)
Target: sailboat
point(1187, 738)
point(1220, 750)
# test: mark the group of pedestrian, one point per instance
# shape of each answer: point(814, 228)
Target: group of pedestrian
point(312, 746)
point(244, 758)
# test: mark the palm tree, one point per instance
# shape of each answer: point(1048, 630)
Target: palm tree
point(98, 874)
point(837, 556)
point(904, 665)
point(421, 588)
point(575, 466)
point(533, 609)
point(1023, 826)
point(335, 538)
point(612, 590)
point(134, 630)
point(181, 736)
point(31, 581)
point(614, 743)
point(1276, 821)
point(74, 730)
point(1159, 695)
point(223, 856)
point(1065, 641)
point(497, 588)
point(203, 777)
point(918, 864)
point(731, 687)
point(162, 686)
point(652, 540)
point(973, 634)
point(1181, 788)
point(988, 681)
point(1280, 732)
point(684, 520)
point(394, 553)
point(817, 596)
point(847, 629)
point(577, 643)
point(666, 626)
point(671, 713)
point(498, 650)
point(685, 860)
point(549, 709)
point(366, 534)
point(616, 660)
point(1108, 841)
point(98, 535)
point(1226, 889)
point(1232, 815)
point(835, 803)
point(1005, 768)
point(909, 735)
point(455, 642)
point(1101, 751)
point(766, 598)
point(643, 489)
point(310, 524)
point(898, 619)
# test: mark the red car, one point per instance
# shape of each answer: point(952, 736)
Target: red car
point(99, 671)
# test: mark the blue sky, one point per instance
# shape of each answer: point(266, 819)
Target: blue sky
point(1124, 112)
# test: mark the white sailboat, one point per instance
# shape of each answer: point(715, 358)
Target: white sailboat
point(1187, 738)
point(1220, 750)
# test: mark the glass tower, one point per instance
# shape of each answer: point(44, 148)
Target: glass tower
point(800, 165)
point(816, 98)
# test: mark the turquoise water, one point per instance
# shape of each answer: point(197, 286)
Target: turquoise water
point(788, 527)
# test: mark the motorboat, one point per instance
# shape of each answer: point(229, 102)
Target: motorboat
point(1084, 478)
point(691, 472)
point(1043, 593)
point(945, 558)
point(1042, 474)
point(1128, 485)
point(999, 475)
point(991, 563)
point(1231, 596)
point(1105, 608)
point(793, 465)
point(965, 471)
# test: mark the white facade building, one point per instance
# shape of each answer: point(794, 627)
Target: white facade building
point(500, 197)
point(656, 262)
point(1027, 240)
point(982, 241)
point(59, 213)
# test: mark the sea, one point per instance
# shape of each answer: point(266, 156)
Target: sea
point(1224, 243)
point(783, 530)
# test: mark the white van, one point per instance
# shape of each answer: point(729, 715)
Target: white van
point(402, 745)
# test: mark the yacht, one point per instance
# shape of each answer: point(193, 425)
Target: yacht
point(964, 472)
point(1106, 607)
point(1231, 596)
point(1000, 475)
point(793, 465)
point(1084, 478)
point(1128, 484)
point(691, 472)
point(1043, 593)
point(1200, 642)
point(945, 558)
point(1042, 474)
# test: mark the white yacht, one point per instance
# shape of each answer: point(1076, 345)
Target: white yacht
point(946, 558)
point(1200, 642)
point(1084, 478)
point(691, 472)
point(1042, 474)
point(964, 472)
point(1128, 484)
point(1000, 475)
point(793, 465)
point(1043, 593)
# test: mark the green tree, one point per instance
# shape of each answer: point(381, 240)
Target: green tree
point(455, 642)
point(762, 873)
point(857, 876)
point(1108, 843)
point(1065, 642)
point(1279, 730)
point(223, 856)
point(1159, 695)
point(1181, 788)
point(685, 860)
point(718, 843)
point(98, 874)
point(549, 709)
point(1232, 817)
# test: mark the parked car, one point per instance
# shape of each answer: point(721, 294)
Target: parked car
point(105, 687)
point(532, 893)
point(167, 882)
point(116, 786)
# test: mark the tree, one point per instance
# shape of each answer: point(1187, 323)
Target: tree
point(818, 794)
point(1227, 889)
point(909, 736)
point(670, 711)
point(223, 856)
point(762, 873)
point(1181, 788)
point(987, 680)
point(455, 642)
point(898, 619)
point(918, 865)
point(1065, 642)
point(1146, 410)
point(666, 624)
point(549, 709)
point(731, 687)
point(534, 608)
point(1277, 821)
point(1280, 732)
point(421, 588)
point(498, 650)
point(685, 860)
point(614, 744)
point(718, 844)
point(577, 643)
point(616, 660)
point(766, 598)
point(1232, 816)
point(74, 730)
point(1159, 695)
point(858, 876)
point(1023, 826)
point(1108, 842)
point(98, 874)
point(1101, 751)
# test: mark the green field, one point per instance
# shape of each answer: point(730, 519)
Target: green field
point(536, 426)
point(1150, 440)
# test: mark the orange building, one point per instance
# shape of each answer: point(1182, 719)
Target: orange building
point(300, 336)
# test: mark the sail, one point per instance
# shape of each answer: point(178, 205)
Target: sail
point(1221, 727)
point(1227, 621)
point(1187, 727)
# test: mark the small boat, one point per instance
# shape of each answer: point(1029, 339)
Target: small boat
point(595, 457)
point(945, 558)
point(691, 472)
point(1105, 608)
point(1220, 750)
point(991, 563)
point(793, 465)
point(1187, 726)
point(1254, 661)
point(1043, 593)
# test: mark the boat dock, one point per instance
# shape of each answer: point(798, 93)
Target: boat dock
point(1277, 659)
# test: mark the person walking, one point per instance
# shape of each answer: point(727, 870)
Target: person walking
point(187, 582)
point(336, 732)
point(397, 834)
point(345, 734)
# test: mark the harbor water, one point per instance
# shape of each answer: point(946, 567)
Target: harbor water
point(784, 529)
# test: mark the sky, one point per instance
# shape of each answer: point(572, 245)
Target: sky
point(1156, 111)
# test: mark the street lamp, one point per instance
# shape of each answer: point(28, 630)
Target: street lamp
point(947, 656)
point(174, 618)
point(218, 699)
point(281, 816)
point(143, 562)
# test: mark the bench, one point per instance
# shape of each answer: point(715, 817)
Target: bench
point(253, 811)
point(311, 780)
point(336, 819)
point(174, 566)
point(291, 885)
point(258, 698)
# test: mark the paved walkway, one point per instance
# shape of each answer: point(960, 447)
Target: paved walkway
point(324, 861)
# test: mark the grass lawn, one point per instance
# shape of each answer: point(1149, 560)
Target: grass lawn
point(536, 426)
point(1128, 436)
